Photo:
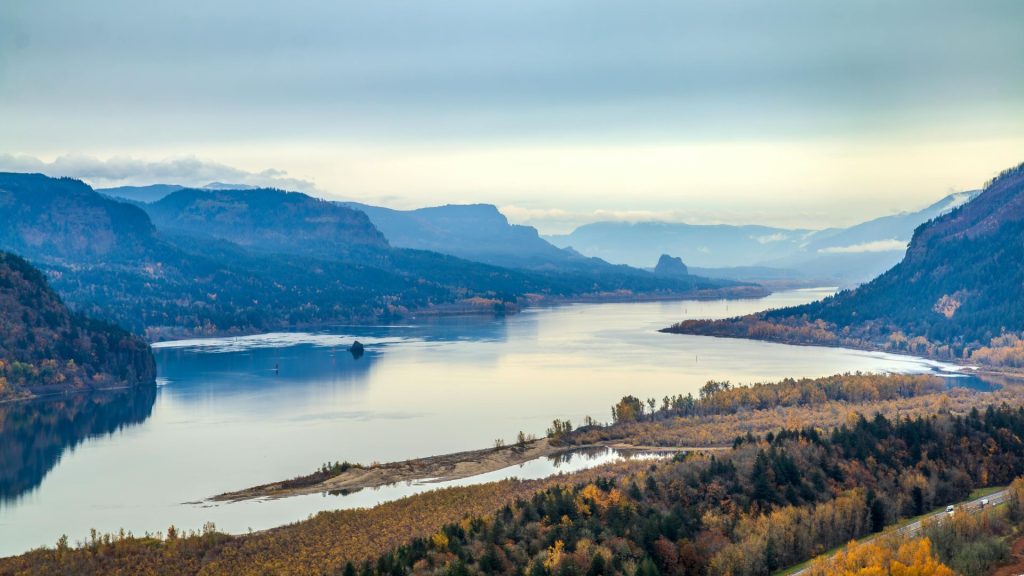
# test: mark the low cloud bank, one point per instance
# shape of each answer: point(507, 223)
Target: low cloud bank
point(129, 171)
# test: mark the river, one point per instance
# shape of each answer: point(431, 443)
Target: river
point(230, 413)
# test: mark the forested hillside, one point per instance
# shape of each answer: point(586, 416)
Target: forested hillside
point(957, 291)
point(44, 348)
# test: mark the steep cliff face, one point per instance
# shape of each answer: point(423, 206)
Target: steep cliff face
point(669, 266)
point(44, 348)
point(477, 232)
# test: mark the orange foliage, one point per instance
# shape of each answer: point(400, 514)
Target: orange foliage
point(911, 558)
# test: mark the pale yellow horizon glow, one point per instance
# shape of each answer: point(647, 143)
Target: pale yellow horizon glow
point(806, 184)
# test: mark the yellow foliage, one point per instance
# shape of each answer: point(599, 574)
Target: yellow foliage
point(911, 558)
point(1004, 350)
point(915, 396)
point(439, 541)
point(554, 558)
point(603, 500)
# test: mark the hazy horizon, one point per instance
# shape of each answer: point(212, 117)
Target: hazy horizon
point(796, 114)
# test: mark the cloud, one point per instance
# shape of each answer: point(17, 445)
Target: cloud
point(525, 214)
point(126, 170)
point(521, 214)
point(892, 245)
point(558, 220)
point(768, 238)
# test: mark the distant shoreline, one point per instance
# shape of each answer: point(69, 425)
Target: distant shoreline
point(35, 395)
point(164, 334)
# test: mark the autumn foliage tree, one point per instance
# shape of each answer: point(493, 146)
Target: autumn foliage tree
point(909, 558)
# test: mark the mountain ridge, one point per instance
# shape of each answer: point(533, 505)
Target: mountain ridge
point(230, 262)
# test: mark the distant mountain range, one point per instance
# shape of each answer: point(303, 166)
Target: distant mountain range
point(205, 261)
point(958, 292)
point(481, 233)
point(45, 348)
point(477, 232)
point(844, 255)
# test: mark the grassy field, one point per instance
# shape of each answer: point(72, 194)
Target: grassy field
point(982, 492)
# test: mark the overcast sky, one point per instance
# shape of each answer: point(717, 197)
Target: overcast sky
point(803, 113)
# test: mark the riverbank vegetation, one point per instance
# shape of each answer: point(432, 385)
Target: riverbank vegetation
point(771, 501)
point(722, 411)
point(1004, 351)
point(713, 419)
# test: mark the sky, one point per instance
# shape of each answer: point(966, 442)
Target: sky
point(797, 113)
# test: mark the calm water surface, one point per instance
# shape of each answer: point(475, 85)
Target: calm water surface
point(223, 418)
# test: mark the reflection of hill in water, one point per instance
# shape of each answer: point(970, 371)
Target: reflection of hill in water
point(266, 362)
point(263, 369)
point(34, 435)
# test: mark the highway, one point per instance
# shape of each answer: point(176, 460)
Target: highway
point(914, 528)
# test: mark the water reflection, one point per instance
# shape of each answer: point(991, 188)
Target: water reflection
point(984, 382)
point(567, 462)
point(264, 368)
point(34, 435)
point(247, 411)
point(978, 382)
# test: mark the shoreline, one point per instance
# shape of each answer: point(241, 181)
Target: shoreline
point(42, 396)
point(158, 334)
point(431, 469)
point(978, 369)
